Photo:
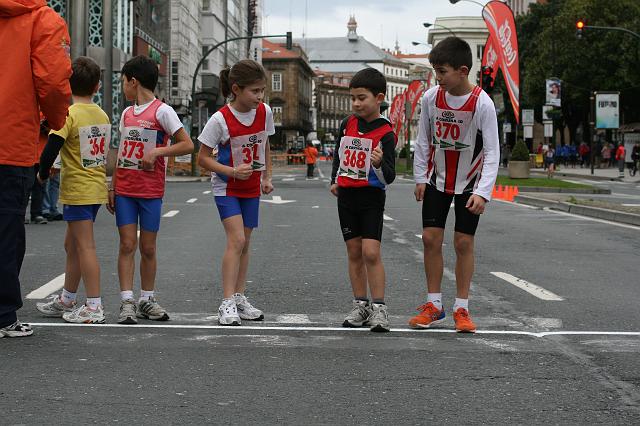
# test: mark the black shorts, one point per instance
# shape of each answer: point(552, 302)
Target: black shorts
point(435, 209)
point(361, 212)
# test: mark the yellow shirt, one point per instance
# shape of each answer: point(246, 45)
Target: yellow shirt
point(80, 185)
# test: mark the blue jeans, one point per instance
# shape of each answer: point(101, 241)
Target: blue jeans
point(50, 196)
point(15, 185)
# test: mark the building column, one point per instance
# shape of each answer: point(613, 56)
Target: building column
point(78, 28)
point(107, 41)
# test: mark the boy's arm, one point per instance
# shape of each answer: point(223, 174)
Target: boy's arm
point(386, 173)
point(491, 144)
point(422, 149)
point(336, 152)
point(267, 186)
point(49, 154)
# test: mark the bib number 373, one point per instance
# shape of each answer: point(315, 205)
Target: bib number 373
point(136, 143)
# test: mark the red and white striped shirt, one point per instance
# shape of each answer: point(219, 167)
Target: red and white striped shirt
point(457, 150)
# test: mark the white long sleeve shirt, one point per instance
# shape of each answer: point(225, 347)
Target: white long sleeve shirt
point(458, 149)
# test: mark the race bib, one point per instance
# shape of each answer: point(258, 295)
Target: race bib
point(355, 157)
point(249, 149)
point(136, 143)
point(450, 128)
point(93, 142)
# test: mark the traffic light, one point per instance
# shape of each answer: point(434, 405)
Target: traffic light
point(487, 79)
point(289, 41)
point(579, 29)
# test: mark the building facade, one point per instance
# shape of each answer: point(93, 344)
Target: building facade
point(288, 93)
point(332, 103)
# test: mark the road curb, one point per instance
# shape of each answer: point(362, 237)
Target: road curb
point(595, 212)
point(564, 190)
point(188, 178)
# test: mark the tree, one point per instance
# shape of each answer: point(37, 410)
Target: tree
point(601, 60)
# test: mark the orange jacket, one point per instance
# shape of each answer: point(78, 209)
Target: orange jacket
point(310, 154)
point(620, 153)
point(34, 73)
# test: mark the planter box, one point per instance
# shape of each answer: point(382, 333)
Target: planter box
point(518, 169)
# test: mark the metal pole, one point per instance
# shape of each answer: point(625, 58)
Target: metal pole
point(592, 126)
point(107, 38)
point(78, 28)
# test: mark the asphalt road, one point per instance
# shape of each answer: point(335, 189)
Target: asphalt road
point(568, 361)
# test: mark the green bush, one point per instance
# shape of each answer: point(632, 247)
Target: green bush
point(520, 151)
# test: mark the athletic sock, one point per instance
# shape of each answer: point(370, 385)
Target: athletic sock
point(436, 299)
point(145, 295)
point(67, 297)
point(461, 303)
point(94, 302)
point(379, 301)
point(126, 295)
point(362, 299)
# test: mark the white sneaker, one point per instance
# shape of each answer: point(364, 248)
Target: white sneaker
point(84, 315)
point(246, 310)
point(228, 313)
point(54, 308)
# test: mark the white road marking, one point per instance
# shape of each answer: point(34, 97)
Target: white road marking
point(47, 289)
point(315, 207)
point(320, 173)
point(192, 200)
point(530, 288)
point(419, 236)
point(631, 205)
point(385, 217)
point(206, 192)
point(288, 179)
point(138, 233)
point(293, 319)
point(593, 219)
point(278, 200)
point(337, 329)
point(171, 213)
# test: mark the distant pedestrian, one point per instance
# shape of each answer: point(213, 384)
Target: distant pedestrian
point(35, 70)
point(550, 161)
point(584, 152)
point(635, 158)
point(606, 155)
point(310, 155)
point(138, 184)
point(240, 130)
point(363, 166)
point(573, 155)
point(81, 144)
point(456, 160)
point(620, 154)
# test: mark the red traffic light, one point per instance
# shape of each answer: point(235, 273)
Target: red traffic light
point(487, 70)
point(579, 25)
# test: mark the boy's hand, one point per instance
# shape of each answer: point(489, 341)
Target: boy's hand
point(242, 172)
point(267, 186)
point(376, 157)
point(40, 180)
point(419, 191)
point(476, 204)
point(149, 160)
point(111, 204)
point(334, 189)
point(53, 171)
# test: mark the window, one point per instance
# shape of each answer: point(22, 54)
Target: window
point(480, 51)
point(206, 5)
point(174, 74)
point(277, 115)
point(276, 82)
point(205, 63)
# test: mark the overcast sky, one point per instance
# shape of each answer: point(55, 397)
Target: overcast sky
point(379, 21)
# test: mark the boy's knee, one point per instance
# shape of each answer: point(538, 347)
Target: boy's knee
point(148, 250)
point(128, 247)
point(432, 239)
point(463, 243)
point(370, 255)
point(237, 244)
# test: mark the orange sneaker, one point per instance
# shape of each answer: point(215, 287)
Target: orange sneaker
point(463, 321)
point(428, 316)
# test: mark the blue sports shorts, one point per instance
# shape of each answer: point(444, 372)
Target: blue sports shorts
point(82, 212)
point(147, 210)
point(232, 206)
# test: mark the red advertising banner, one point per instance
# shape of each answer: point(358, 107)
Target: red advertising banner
point(490, 57)
point(412, 96)
point(502, 33)
point(396, 113)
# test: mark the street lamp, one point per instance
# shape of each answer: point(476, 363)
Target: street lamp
point(429, 24)
point(417, 43)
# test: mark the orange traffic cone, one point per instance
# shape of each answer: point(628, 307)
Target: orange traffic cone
point(516, 191)
point(509, 196)
point(500, 195)
point(494, 193)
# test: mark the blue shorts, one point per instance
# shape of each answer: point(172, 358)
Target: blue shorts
point(148, 210)
point(232, 206)
point(83, 212)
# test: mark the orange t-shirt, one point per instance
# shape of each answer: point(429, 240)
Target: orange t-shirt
point(310, 155)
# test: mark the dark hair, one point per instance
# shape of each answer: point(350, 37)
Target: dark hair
point(85, 77)
point(452, 51)
point(370, 79)
point(242, 73)
point(143, 69)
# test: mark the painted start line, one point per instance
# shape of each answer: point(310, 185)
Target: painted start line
point(339, 329)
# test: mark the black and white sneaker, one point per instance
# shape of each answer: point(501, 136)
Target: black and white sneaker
point(17, 329)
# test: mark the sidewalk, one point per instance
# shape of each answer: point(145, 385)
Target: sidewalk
point(598, 174)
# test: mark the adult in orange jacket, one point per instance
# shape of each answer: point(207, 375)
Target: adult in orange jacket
point(35, 70)
point(310, 155)
point(620, 154)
